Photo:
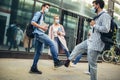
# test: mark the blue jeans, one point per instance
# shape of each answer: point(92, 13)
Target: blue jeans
point(77, 59)
point(58, 43)
point(40, 40)
point(92, 56)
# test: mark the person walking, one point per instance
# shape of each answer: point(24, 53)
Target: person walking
point(41, 38)
point(57, 33)
point(11, 35)
point(93, 45)
point(19, 37)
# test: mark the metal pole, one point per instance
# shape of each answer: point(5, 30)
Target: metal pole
point(61, 6)
point(111, 7)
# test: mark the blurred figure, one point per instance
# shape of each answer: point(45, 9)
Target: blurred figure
point(11, 35)
point(57, 33)
point(18, 37)
point(26, 41)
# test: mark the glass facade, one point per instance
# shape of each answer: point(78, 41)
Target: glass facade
point(70, 23)
point(73, 15)
point(117, 20)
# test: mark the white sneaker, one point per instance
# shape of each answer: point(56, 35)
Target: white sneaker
point(87, 72)
point(72, 65)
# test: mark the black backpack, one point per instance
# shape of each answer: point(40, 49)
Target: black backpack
point(30, 28)
point(110, 37)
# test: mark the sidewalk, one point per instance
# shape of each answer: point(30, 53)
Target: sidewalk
point(17, 69)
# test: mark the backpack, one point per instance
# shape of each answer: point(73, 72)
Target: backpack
point(110, 37)
point(30, 28)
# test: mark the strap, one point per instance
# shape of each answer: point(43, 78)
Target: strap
point(98, 16)
point(39, 17)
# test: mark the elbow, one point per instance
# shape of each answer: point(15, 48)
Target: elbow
point(107, 30)
point(32, 22)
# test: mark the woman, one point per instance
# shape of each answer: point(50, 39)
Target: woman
point(57, 33)
point(26, 41)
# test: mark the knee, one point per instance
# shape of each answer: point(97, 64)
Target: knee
point(51, 43)
point(92, 62)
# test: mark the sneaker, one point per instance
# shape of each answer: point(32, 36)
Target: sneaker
point(58, 64)
point(87, 72)
point(72, 65)
point(35, 70)
point(67, 63)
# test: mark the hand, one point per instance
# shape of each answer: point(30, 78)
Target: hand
point(92, 23)
point(59, 33)
point(44, 28)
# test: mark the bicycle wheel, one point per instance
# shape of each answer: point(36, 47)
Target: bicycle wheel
point(107, 56)
point(117, 58)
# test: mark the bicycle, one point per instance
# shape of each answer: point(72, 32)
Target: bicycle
point(112, 55)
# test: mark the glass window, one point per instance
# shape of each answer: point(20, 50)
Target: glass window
point(25, 7)
point(70, 23)
point(117, 20)
point(81, 7)
point(22, 15)
point(86, 30)
point(5, 4)
point(52, 2)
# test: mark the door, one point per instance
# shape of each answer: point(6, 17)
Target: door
point(70, 23)
point(2, 28)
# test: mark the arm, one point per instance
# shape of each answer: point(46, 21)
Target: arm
point(50, 32)
point(34, 21)
point(62, 32)
point(105, 25)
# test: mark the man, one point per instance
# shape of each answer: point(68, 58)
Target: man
point(93, 46)
point(41, 38)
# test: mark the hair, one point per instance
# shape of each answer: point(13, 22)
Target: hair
point(55, 16)
point(100, 2)
point(43, 5)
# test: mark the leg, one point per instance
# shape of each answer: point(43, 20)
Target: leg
point(11, 44)
point(79, 49)
point(38, 50)
point(56, 44)
point(88, 71)
point(62, 46)
point(77, 59)
point(46, 40)
point(92, 60)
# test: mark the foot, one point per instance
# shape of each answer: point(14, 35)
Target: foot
point(67, 63)
point(58, 64)
point(87, 72)
point(72, 65)
point(35, 70)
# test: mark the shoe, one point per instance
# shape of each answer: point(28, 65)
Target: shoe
point(87, 72)
point(58, 64)
point(72, 65)
point(67, 63)
point(35, 70)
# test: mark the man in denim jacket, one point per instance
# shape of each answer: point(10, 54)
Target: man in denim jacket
point(41, 38)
